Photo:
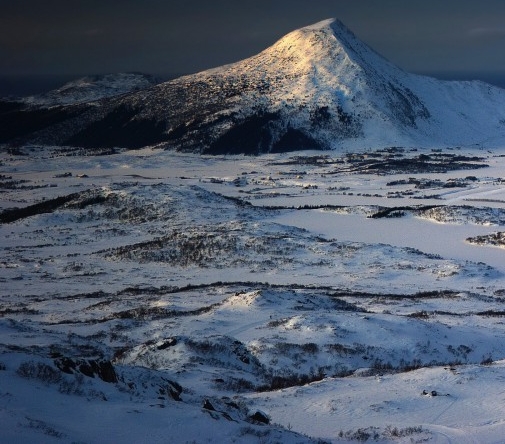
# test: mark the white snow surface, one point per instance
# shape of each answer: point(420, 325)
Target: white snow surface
point(257, 284)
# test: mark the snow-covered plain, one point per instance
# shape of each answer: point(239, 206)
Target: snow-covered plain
point(153, 296)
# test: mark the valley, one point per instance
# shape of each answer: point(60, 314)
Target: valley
point(298, 297)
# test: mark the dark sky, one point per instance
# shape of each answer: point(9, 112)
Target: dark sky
point(55, 37)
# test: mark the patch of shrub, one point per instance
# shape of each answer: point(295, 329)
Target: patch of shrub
point(45, 428)
point(462, 350)
point(287, 347)
point(254, 431)
point(378, 364)
point(278, 322)
point(395, 432)
point(361, 434)
point(40, 371)
point(341, 349)
point(394, 214)
point(423, 314)
point(310, 347)
point(277, 382)
point(206, 347)
point(406, 366)
point(73, 386)
point(237, 385)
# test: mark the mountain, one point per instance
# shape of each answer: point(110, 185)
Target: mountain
point(319, 87)
point(27, 119)
point(92, 88)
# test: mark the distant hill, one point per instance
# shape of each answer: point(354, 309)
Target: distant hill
point(92, 88)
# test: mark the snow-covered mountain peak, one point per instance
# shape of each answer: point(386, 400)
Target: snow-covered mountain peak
point(325, 47)
point(316, 47)
point(311, 44)
point(323, 81)
point(318, 87)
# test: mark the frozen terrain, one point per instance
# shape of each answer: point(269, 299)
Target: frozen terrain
point(153, 296)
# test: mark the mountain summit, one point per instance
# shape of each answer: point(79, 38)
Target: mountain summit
point(318, 87)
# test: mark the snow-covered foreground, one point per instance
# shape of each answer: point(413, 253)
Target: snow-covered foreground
point(151, 296)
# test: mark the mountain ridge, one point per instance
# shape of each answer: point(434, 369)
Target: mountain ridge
point(92, 88)
point(318, 87)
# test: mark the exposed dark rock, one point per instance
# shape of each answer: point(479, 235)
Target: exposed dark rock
point(176, 396)
point(208, 406)
point(173, 389)
point(227, 416)
point(260, 417)
point(167, 343)
point(104, 370)
point(91, 368)
point(66, 365)
point(86, 369)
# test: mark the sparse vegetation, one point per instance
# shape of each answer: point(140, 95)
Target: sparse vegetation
point(374, 433)
point(231, 285)
point(277, 382)
point(495, 239)
point(395, 432)
point(39, 371)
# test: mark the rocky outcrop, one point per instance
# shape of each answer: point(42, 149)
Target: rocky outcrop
point(102, 369)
